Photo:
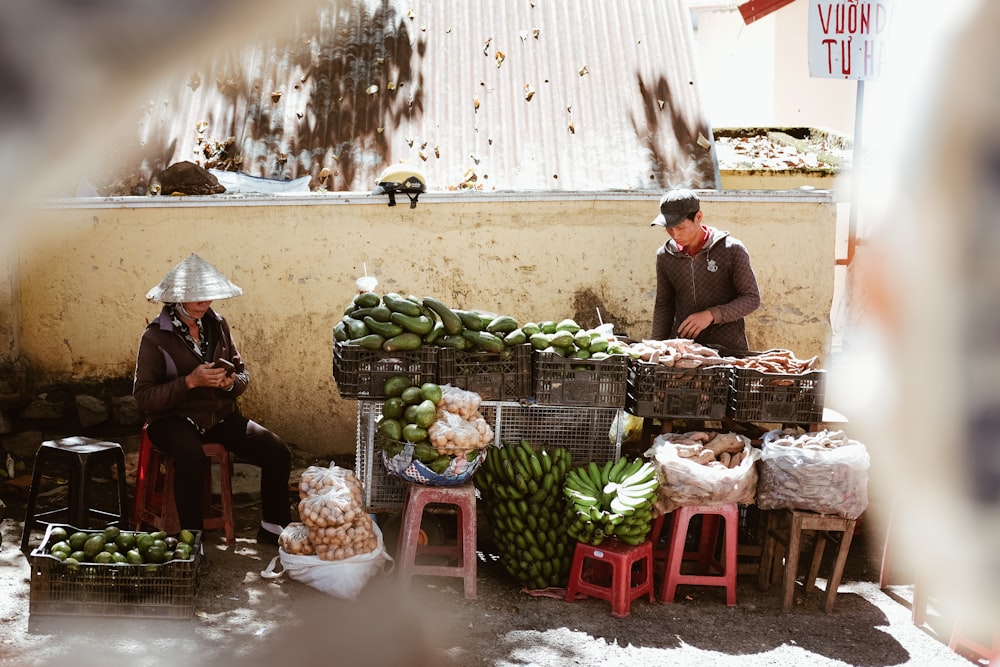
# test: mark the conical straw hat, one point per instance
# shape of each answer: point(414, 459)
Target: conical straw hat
point(193, 279)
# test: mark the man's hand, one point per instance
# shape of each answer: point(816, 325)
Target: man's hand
point(694, 324)
point(205, 375)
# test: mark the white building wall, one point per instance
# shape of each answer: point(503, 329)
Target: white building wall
point(757, 75)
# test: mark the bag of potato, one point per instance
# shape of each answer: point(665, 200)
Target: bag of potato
point(344, 541)
point(344, 578)
point(823, 471)
point(701, 468)
point(453, 434)
point(460, 401)
point(335, 506)
point(315, 480)
point(294, 539)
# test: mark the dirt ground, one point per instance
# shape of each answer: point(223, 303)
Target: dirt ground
point(242, 615)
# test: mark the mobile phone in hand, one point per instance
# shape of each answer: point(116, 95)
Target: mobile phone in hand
point(225, 363)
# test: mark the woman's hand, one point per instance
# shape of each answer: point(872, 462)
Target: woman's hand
point(206, 375)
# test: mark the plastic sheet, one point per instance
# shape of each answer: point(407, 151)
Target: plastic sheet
point(685, 482)
point(821, 472)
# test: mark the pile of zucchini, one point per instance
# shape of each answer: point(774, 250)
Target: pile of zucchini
point(393, 323)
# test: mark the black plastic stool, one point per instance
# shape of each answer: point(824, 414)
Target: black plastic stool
point(81, 455)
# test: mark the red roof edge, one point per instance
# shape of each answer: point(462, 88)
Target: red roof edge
point(758, 9)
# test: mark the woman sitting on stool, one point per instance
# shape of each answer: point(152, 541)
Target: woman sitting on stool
point(188, 375)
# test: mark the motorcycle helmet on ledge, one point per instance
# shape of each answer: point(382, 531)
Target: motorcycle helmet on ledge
point(403, 179)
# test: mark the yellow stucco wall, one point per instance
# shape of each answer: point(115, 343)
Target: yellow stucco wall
point(762, 179)
point(84, 267)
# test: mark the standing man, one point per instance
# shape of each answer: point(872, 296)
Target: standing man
point(705, 285)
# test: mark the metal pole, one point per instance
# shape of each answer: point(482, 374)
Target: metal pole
point(852, 231)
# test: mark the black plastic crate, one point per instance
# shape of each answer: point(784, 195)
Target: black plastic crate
point(495, 376)
point(778, 398)
point(655, 390)
point(361, 373)
point(585, 382)
point(164, 590)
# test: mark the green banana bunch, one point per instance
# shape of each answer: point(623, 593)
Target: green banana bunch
point(613, 500)
point(521, 490)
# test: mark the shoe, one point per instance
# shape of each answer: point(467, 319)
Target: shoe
point(266, 537)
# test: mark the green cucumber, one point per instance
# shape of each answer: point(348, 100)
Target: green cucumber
point(418, 324)
point(540, 341)
point(355, 328)
point(484, 340)
point(381, 313)
point(435, 333)
point(367, 299)
point(470, 320)
point(405, 341)
point(387, 329)
point(451, 321)
point(454, 341)
point(530, 328)
point(399, 304)
point(502, 324)
point(515, 337)
point(369, 342)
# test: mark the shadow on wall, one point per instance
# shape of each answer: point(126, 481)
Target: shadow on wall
point(692, 140)
point(300, 105)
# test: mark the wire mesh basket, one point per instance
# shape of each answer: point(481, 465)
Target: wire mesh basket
point(588, 433)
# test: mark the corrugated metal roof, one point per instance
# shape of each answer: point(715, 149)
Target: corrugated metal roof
point(493, 94)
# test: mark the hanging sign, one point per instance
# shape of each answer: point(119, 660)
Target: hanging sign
point(849, 39)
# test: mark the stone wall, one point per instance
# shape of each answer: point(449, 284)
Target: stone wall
point(103, 410)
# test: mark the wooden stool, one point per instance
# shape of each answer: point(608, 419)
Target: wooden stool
point(705, 555)
point(154, 491)
point(791, 539)
point(80, 455)
point(418, 497)
point(621, 558)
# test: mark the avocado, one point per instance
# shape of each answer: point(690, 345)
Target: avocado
point(395, 385)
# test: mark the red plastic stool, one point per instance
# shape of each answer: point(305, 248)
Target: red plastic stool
point(705, 555)
point(418, 497)
point(154, 491)
point(962, 639)
point(621, 558)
